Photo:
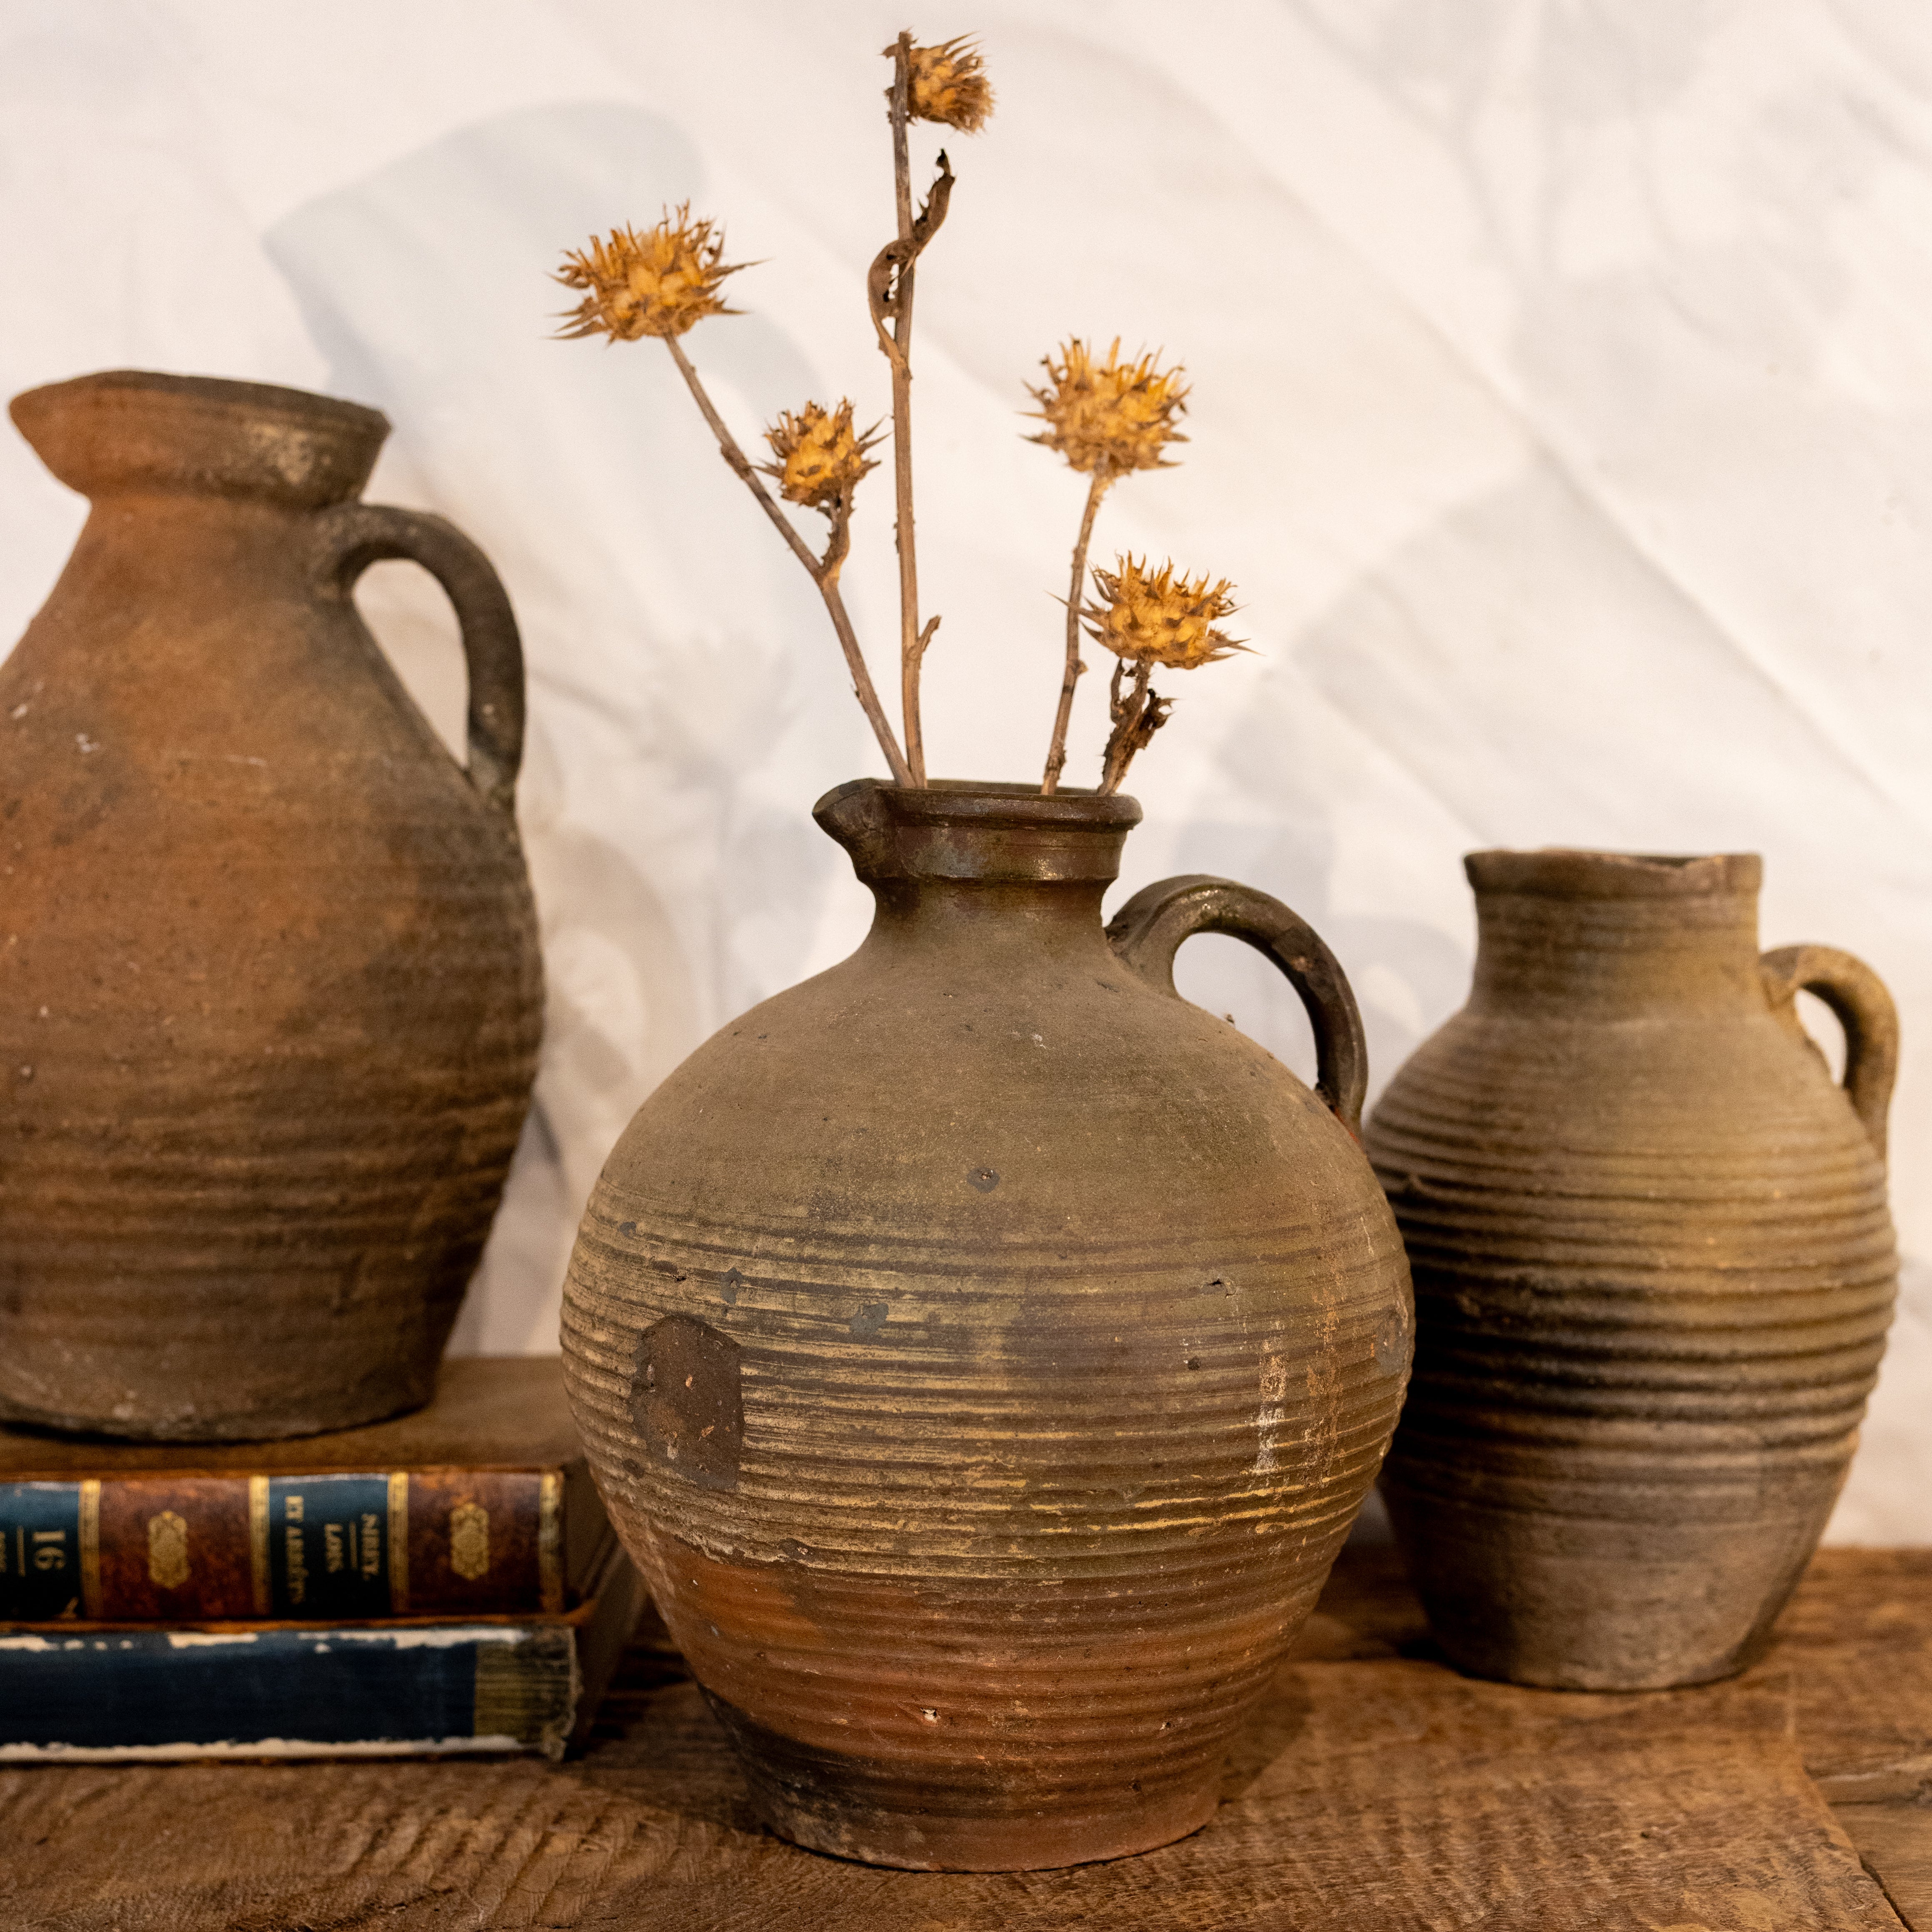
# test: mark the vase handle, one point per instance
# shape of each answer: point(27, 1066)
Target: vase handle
point(1857, 997)
point(1148, 931)
point(352, 536)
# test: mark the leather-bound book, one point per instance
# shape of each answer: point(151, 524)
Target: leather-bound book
point(480, 1505)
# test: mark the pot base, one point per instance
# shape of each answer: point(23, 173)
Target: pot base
point(914, 1839)
point(1558, 1602)
point(273, 1421)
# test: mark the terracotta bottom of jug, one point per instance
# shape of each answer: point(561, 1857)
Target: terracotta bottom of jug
point(878, 1813)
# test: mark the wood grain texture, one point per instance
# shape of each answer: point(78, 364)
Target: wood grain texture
point(1855, 1644)
point(1377, 1790)
point(1895, 1842)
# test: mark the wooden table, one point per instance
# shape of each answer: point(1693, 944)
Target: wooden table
point(1380, 1791)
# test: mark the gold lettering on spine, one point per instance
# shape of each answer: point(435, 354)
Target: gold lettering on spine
point(90, 1550)
point(258, 1544)
point(296, 1561)
point(399, 1545)
point(550, 1540)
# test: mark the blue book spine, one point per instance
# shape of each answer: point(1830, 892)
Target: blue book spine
point(149, 1694)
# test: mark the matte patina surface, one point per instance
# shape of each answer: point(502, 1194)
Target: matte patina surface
point(269, 986)
point(1654, 1270)
point(985, 1351)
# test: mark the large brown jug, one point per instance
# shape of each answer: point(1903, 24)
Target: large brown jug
point(985, 1352)
point(1654, 1270)
point(271, 981)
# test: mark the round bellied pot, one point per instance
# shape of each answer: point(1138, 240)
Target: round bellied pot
point(1654, 1270)
point(269, 987)
point(985, 1352)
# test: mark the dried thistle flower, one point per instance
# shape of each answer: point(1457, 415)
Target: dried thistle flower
point(1107, 418)
point(820, 457)
point(658, 283)
point(948, 83)
point(1160, 617)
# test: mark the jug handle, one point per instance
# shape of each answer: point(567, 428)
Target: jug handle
point(1857, 997)
point(1148, 931)
point(352, 536)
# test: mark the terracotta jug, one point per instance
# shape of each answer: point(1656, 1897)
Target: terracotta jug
point(1654, 1270)
point(271, 986)
point(985, 1352)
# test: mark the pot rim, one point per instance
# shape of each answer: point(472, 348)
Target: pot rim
point(989, 802)
point(121, 430)
point(1566, 872)
point(215, 391)
point(993, 832)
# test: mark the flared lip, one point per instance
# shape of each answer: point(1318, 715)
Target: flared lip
point(989, 802)
point(144, 429)
point(1558, 872)
point(209, 392)
point(964, 829)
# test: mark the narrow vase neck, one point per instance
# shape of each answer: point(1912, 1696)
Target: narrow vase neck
point(1608, 936)
point(997, 871)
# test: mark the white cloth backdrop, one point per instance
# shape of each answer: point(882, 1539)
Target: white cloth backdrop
point(1563, 412)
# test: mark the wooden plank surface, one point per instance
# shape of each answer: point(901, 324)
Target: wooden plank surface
point(1895, 1843)
point(1855, 1646)
point(1379, 1790)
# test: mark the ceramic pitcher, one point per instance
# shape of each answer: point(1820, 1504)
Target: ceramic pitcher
point(272, 990)
point(1654, 1270)
point(985, 1352)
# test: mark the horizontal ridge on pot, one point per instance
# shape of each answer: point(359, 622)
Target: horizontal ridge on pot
point(1654, 1270)
point(985, 1353)
point(272, 989)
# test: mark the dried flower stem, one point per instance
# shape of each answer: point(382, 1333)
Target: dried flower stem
point(1056, 751)
point(824, 571)
point(912, 646)
point(1137, 716)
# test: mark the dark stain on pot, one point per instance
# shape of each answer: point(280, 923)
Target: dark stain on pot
point(869, 1320)
point(985, 1179)
point(689, 1401)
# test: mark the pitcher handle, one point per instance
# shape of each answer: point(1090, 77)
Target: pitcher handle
point(1857, 996)
point(354, 535)
point(1148, 931)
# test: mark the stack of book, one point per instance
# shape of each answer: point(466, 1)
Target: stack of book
point(444, 1582)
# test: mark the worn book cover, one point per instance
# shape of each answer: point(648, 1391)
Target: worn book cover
point(83, 1694)
point(479, 1504)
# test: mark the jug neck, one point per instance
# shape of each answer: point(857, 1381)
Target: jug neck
point(996, 869)
point(1612, 935)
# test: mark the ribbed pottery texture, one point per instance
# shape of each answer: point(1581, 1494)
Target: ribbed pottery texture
point(1654, 1270)
point(271, 988)
point(985, 1352)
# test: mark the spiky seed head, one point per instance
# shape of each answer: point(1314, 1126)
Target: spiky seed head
point(657, 282)
point(1107, 418)
point(1161, 617)
point(820, 457)
point(948, 83)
